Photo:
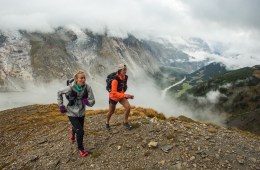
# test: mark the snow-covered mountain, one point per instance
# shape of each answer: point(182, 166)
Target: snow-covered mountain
point(42, 57)
point(15, 60)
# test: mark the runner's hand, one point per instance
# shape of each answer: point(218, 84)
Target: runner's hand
point(85, 101)
point(63, 109)
point(128, 96)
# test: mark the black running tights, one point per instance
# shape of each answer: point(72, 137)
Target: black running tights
point(78, 129)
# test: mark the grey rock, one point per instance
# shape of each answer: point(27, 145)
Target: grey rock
point(166, 148)
point(34, 158)
point(252, 159)
point(207, 137)
point(217, 156)
point(192, 158)
point(241, 161)
point(42, 141)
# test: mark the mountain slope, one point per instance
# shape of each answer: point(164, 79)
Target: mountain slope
point(36, 137)
point(49, 57)
point(235, 92)
point(248, 121)
point(201, 75)
point(247, 76)
point(42, 57)
point(205, 73)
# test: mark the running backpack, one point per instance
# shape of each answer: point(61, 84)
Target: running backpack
point(122, 84)
point(70, 81)
point(72, 95)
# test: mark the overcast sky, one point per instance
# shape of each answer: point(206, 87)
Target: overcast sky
point(234, 23)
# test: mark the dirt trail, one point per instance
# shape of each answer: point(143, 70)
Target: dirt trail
point(36, 137)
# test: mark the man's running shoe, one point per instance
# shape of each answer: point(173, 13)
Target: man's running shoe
point(129, 127)
point(107, 127)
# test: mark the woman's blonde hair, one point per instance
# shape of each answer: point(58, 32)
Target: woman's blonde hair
point(76, 75)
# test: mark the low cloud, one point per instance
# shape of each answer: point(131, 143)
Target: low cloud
point(145, 92)
point(234, 23)
point(212, 97)
point(232, 26)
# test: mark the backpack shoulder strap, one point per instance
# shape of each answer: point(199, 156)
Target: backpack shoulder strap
point(72, 96)
point(117, 78)
point(85, 93)
point(73, 91)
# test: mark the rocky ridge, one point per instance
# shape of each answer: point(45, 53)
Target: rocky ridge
point(36, 137)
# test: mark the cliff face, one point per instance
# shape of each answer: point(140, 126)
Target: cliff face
point(37, 137)
point(42, 57)
point(15, 60)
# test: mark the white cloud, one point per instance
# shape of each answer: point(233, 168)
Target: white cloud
point(235, 23)
point(145, 92)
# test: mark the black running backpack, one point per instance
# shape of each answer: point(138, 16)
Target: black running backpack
point(122, 84)
point(72, 95)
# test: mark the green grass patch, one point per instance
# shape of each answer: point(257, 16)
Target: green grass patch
point(161, 116)
point(135, 125)
point(234, 75)
point(173, 70)
point(185, 87)
point(185, 119)
point(96, 154)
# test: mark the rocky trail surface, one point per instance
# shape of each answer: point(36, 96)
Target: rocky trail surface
point(37, 137)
